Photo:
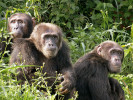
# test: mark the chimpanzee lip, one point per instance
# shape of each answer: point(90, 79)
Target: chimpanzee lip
point(51, 49)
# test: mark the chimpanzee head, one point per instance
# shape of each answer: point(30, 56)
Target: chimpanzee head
point(113, 53)
point(20, 25)
point(47, 38)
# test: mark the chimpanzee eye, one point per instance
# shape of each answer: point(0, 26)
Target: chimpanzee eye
point(45, 37)
point(119, 52)
point(13, 21)
point(20, 21)
point(55, 37)
point(112, 51)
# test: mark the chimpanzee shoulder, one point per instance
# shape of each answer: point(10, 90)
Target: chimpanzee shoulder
point(26, 49)
point(89, 59)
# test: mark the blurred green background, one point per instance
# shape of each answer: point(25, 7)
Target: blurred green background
point(85, 24)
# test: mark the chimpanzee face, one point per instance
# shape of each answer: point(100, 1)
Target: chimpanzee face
point(113, 53)
point(116, 56)
point(48, 39)
point(17, 26)
point(20, 25)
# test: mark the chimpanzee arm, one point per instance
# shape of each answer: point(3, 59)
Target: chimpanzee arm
point(98, 83)
point(24, 54)
point(65, 68)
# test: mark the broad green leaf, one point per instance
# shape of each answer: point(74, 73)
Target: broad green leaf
point(69, 25)
point(126, 52)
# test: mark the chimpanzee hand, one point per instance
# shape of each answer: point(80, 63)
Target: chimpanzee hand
point(67, 83)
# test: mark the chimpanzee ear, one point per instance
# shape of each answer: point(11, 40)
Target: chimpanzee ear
point(99, 50)
point(33, 21)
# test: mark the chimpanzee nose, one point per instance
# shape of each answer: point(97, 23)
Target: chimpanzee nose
point(15, 28)
point(50, 45)
point(16, 25)
point(117, 59)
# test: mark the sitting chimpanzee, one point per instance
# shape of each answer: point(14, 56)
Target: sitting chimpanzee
point(20, 25)
point(92, 72)
point(45, 47)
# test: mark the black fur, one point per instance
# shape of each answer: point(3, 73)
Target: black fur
point(92, 81)
point(26, 52)
point(116, 89)
point(3, 40)
point(92, 77)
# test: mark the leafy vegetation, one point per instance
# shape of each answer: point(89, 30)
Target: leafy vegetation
point(85, 23)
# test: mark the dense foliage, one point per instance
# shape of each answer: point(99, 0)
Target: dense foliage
point(85, 23)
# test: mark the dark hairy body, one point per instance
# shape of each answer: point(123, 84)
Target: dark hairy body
point(92, 73)
point(44, 48)
point(116, 89)
point(20, 25)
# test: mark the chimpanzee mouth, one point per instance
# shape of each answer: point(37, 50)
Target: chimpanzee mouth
point(16, 34)
point(51, 49)
point(117, 68)
point(51, 52)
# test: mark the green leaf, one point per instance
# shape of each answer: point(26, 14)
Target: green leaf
point(69, 25)
point(126, 52)
point(20, 66)
point(109, 5)
point(83, 46)
point(127, 14)
point(130, 7)
point(132, 31)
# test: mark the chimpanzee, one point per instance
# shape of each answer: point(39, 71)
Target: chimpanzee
point(20, 25)
point(45, 47)
point(93, 68)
